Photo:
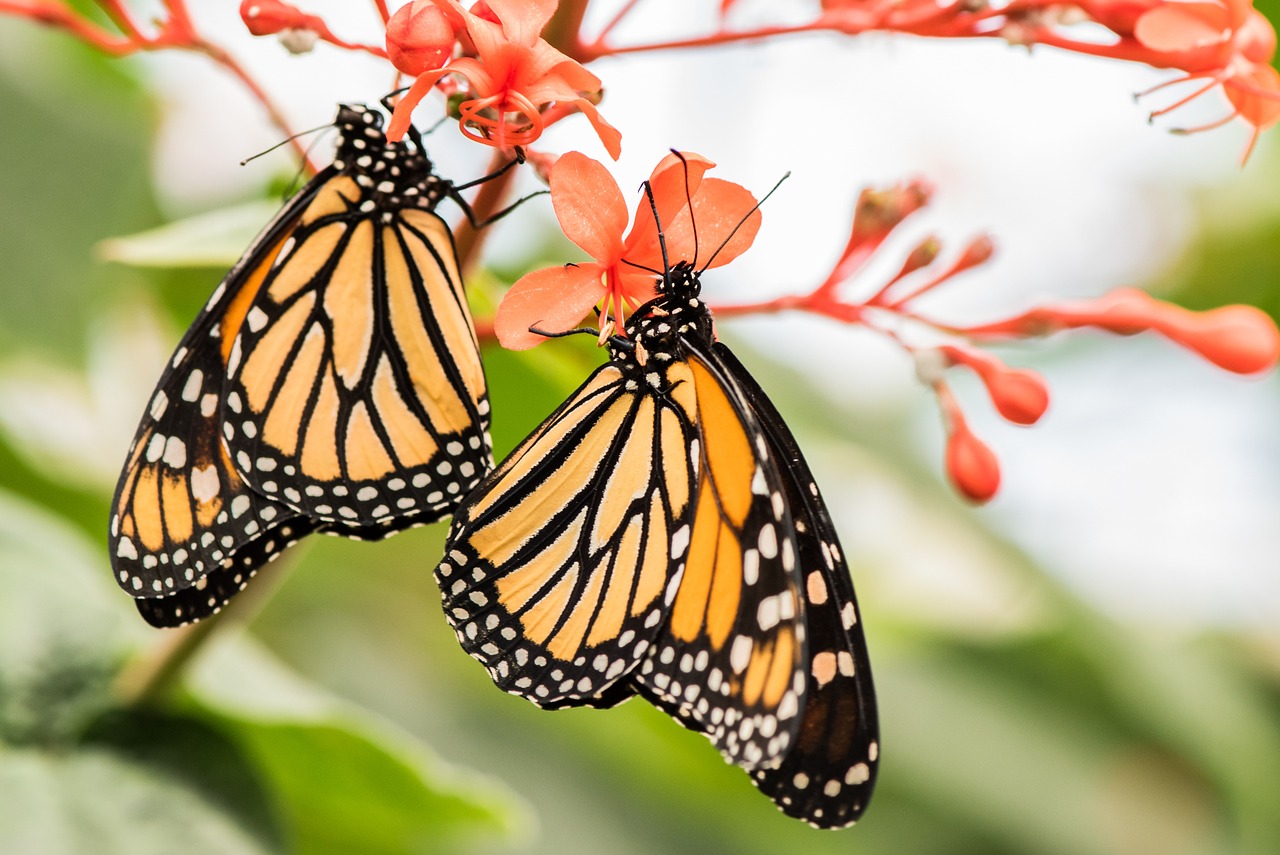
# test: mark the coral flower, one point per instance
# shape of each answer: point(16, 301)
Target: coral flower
point(1222, 42)
point(718, 227)
point(513, 75)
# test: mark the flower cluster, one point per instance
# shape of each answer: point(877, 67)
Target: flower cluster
point(1240, 339)
point(511, 72)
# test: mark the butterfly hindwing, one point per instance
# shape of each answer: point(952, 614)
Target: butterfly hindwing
point(827, 777)
point(730, 660)
point(210, 593)
point(557, 572)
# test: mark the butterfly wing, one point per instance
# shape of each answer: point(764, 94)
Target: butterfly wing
point(355, 391)
point(827, 776)
point(557, 571)
point(730, 659)
point(211, 592)
point(181, 510)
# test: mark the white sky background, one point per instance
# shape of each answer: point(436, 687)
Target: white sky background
point(1152, 482)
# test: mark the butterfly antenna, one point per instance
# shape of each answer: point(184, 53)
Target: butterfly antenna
point(284, 142)
point(688, 197)
point(302, 169)
point(662, 239)
point(747, 216)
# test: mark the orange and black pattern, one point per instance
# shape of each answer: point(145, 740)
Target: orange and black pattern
point(661, 535)
point(332, 382)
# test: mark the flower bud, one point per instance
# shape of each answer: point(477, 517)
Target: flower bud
point(970, 463)
point(1241, 339)
point(419, 38)
point(1019, 395)
point(268, 17)
point(879, 211)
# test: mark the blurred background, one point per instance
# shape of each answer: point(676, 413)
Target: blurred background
point(1090, 664)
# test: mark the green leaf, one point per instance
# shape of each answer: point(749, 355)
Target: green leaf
point(213, 239)
point(344, 780)
point(63, 629)
point(98, 801)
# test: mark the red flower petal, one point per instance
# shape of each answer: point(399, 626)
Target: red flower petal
point(523, 20)
point(673, 184)
point(726, 221)
point(554, 299)
point(609, 135)
point(1178, 27)
point(589, 206)
point(402, 115)
point(1248, 92)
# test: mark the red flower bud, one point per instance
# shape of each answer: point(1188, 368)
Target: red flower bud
point(922, 256)
point(268, 17)
point(979, 250)
point(419, 38)
point(1019, 395)
point(970, 463)
point(1242, 339)
point(879, 211)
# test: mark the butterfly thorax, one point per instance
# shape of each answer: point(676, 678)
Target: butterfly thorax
point(390, 175)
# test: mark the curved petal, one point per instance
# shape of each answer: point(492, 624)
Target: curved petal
point(541, 59)
point(727, 221)
point(402, 115)
point(1178, 27)
point(674, 184)
point(575, 75)
point(610, 136)
point(523, 20)
point(490, 40)
point(1238, 11)
point(553, 299)
point(477, 75)
point(589, 206)
point(1256, 95)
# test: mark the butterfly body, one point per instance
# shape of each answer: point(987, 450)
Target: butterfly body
point(661, 535)
point(331, 383)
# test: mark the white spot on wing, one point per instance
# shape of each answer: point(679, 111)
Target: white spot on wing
point(191, 390)
point(175, 452)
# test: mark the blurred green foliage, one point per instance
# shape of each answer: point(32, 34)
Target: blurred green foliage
point(1055, 730)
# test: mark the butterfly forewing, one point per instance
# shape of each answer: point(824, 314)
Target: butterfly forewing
point(828, 775)
point(730, 660)
point(356, 394)
point(557, 572)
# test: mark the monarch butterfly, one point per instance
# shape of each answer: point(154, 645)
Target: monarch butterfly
point(331, 383)
point(660, 534)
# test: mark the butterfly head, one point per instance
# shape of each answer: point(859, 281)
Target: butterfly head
point(657, 326)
